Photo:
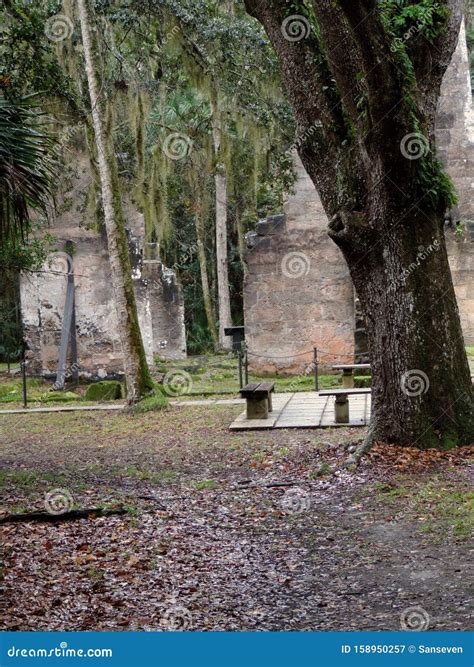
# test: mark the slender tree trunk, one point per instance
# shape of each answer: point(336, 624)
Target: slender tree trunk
point(136, 370)
point(241, 239)
point(206, 292)
point(220, 179)
point(421, 392)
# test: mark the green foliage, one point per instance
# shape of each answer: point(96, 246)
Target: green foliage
point(28, 63)
point(205, 484)
point(435, 185)
point(470, 37)
point(406, 18)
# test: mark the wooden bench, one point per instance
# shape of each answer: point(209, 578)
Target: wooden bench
point(348, 373)
point(259, 399)
point(341, 407)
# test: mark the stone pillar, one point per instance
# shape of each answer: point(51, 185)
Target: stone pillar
point(167, 310)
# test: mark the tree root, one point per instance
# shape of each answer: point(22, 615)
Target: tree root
point(354, 459)
point(72, 515)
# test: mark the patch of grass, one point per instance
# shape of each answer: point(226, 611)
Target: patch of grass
point(95, 573)
point(452, 508)
point(14, 365)
point(21, 478)
point(132, 510)
point(441, 506)
point(216, 375)
point(37, 391)
point(26, 479)
point(145, 475)
point(362, 381)
point(390, 491)
point(323, 470)
point(205, 484)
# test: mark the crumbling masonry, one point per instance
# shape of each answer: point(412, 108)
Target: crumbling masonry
point(159, 299)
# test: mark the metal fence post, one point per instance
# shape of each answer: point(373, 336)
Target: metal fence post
point(246, 362)
point(240, 368)
point(315, 364)
point(23, 378)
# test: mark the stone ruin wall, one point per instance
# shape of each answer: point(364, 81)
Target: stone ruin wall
point(298, 293)
point(159, 300)
point(455, 141)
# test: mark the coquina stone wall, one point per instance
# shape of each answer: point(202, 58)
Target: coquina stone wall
point(298, 293)
point(455, 140)
point(159, 299)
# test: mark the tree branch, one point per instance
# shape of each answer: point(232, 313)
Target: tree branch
point(431, 59)
point(340, 51)
point(384, 79)
point(307, 77)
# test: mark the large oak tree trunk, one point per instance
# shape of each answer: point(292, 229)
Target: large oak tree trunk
point(139, 382)
point(365, 101)
point(421, 388)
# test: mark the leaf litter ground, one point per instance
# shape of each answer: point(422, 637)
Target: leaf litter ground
point(228, 531)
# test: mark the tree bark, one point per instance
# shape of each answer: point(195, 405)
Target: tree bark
point(137, 375)
point(220, 181)
point(421, 385)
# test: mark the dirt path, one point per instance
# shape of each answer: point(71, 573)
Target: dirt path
point(221, 547)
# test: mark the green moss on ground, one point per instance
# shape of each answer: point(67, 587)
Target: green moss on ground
point(156, 401)
point(106, 390)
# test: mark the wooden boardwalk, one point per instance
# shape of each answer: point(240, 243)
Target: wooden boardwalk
point(306, 410)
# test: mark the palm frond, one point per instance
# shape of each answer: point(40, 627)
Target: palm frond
point(27, 166)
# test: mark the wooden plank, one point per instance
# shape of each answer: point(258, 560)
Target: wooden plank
point(266, 386)
point(350, 392)
point(308, 410)
point(341, 367)
point(249, 388)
